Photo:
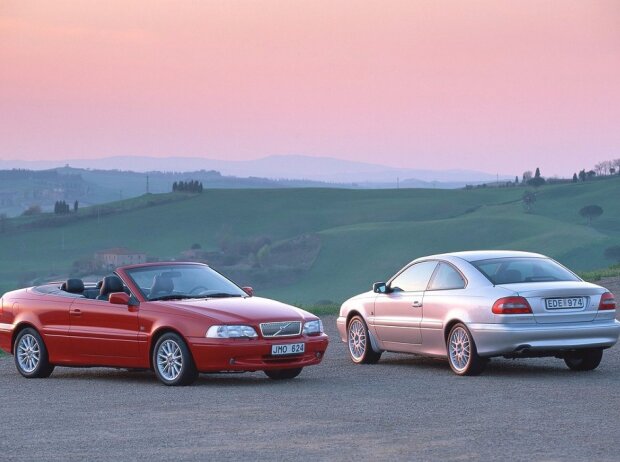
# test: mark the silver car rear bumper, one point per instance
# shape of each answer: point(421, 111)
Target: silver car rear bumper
point(502, 339)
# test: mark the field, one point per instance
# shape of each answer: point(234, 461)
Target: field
point(365, 235)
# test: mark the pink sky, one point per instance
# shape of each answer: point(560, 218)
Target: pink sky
point(500, 86)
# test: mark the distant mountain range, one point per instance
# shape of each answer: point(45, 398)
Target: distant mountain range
point(319, 169)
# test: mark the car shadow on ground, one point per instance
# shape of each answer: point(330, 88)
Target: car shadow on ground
point(497, 367)
point(148, 377)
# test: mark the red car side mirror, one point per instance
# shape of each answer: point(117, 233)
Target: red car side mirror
point(119, 298)
point(248, 290)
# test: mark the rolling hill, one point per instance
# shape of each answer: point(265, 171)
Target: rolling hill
point(365, 235)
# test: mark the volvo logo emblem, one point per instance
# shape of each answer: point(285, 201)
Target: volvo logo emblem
point(282, 328)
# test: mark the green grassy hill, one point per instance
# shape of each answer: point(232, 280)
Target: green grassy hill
point(366, 235)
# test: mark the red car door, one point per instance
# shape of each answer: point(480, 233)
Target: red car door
point(103, 333)
point(53, 313)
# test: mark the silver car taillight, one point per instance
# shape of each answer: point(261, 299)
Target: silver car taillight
point(512, 305)
point(608, 302)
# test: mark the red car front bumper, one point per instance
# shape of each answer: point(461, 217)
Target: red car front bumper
point(215, 355)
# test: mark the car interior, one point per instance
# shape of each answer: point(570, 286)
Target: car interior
point(99, 291)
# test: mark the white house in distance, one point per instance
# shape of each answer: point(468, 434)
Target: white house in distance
point(119, 256)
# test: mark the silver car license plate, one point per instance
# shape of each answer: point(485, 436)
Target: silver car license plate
point(564, 303)
point(287, 349)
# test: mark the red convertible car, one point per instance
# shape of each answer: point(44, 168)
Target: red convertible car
point(179, 319)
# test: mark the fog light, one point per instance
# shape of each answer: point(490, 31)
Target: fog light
point(318, 355)
point(232, 361)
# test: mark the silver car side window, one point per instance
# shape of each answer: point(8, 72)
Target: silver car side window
point(447, 278)
point(415, 278)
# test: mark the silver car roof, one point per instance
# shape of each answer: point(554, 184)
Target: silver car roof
point(474, 255)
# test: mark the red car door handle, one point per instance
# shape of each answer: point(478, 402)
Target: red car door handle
point(75, 312)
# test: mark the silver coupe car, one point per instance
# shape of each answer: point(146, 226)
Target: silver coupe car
point(472, 306)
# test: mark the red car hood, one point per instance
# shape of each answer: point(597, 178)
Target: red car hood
point(247, 310)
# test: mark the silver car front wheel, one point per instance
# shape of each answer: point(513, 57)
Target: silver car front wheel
point(358, 340)
point(462, 354)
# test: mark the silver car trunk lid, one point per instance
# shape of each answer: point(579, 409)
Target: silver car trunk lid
point(558, 302)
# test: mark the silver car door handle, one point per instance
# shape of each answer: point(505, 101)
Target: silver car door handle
point(417, 304)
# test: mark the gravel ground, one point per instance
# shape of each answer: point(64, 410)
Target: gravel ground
point(403, 408)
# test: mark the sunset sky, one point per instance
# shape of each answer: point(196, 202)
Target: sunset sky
point(499, 86)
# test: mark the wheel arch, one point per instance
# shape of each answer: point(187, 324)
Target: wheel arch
point(20, 327)
point(355, 312)
point(155, 336)
point(374, 343)
point(449, 325)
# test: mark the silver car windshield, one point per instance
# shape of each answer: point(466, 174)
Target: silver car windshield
point(518, 270)
point(171, 282)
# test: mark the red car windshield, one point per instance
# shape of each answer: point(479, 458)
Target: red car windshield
point(169, 282)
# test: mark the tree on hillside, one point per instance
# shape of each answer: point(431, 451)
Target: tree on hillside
point(527, 175)
point(537, 180)
point(528, 199)
point(575, 179)
point(590, 174)
point(193, 186)
point(76, 205)
point(582, 175)
point(32, 210)
point(590, 212)
point(600, 168)
point(61, 208)
point(517, 179)
point(613, 253)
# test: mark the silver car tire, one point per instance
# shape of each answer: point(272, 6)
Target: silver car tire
point(172, 361)
point(283, 374)
point(358, 342)
point(31, 357)
point(462, 353)
point(584, 360)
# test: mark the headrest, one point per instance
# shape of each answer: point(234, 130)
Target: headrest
point(74, 286)
point(110, 285)
point(162, 283)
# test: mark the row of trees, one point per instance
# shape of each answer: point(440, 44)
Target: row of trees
point(604, 168)
point(607, 167)
point(62, 208)
point(583, 175)
point(192, 186)
point(536, 180)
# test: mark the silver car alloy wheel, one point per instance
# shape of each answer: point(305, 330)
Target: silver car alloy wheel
point(459, 349)
point(357, 339)
point(28, 353)
point(169, 360)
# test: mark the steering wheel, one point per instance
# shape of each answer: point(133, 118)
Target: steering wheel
point(202, 289)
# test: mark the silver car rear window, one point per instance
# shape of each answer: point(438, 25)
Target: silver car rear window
point(515, 270)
